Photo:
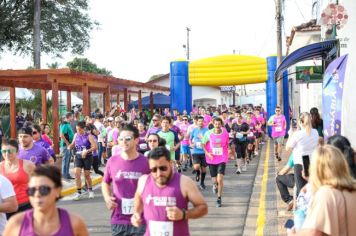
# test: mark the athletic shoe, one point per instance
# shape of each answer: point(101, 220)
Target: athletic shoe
point(238, 171)
point(279, 158)
point(91, 194)
point(179, 170)
point(218, 202)
point(244, 167)
point(235, 165)
point(193, 172)
point(202, 186)
point(215, 188)
point(256, 153)
point(77, 196)
point(197, 177)
point(184, 169)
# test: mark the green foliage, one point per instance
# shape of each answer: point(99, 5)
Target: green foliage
point(83, 64)
point(65, 25)
point(53, 65)
point(153, 77)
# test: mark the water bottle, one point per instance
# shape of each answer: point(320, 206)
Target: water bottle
point(299, 217)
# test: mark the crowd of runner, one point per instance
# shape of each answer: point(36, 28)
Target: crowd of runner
point(145, 159)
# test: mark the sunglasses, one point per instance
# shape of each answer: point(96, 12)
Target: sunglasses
point(278, 110)
point(4, 151)
point(127, 138)
point(44, 190)
point(185, 119)
point(154, 120)
point(152, 140)
point(34, 132)
point(160, 168)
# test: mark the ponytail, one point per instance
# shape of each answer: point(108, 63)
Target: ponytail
point(306, 122)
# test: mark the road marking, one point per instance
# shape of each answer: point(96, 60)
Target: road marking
point(261, 220)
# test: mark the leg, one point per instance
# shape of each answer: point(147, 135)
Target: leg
point(283, 183)
point(299, 180)
point(78, 180)
point(220, 180)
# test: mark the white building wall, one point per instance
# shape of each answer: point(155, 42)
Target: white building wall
point(347, 35)
point(203, 92)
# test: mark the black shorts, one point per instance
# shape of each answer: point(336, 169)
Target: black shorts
point(258, 135)
point(240, 149)
point(199, 159)
point(83, 163)
point(251, 140)
point(217, 169)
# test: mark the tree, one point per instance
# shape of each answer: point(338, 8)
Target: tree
point(153, 77)
point(84, 64)
point(65, 25)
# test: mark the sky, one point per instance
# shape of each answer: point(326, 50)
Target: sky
point(139, 38)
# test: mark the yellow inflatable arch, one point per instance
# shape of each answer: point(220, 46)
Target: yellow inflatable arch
point(227, 70)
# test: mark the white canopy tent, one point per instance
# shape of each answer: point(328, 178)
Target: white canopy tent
point(21, 93)
point(63, 99)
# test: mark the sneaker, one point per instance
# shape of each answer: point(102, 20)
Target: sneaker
point(215, 188)
point(256, 153)
point(235, 165)
point(238, 171)
point(244, 168)
point(91, 194)
point(193, 172)
point(279, 158)
point(218, 202)
point(179, 170)
point(77, 197)
point(202, 186)
point(197, 177)
point(184, 169)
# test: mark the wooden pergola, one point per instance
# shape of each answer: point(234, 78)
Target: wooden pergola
point(71, 81)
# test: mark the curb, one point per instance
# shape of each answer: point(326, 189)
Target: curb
point(71, 190)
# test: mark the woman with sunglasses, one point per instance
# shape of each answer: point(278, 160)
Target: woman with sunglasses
point(45, 131)
point(45, 218)
point(17, 171)
point(154, 141)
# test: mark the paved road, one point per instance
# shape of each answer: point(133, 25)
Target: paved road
point(229, 220)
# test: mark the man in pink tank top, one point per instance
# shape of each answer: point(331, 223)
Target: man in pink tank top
point(162, 197)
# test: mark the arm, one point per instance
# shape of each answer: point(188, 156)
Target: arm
point(28, 166)
point(13, 226)
point(79, 227)
point(307, 232)
point(8, 205)
point(190, 192)
point(109, 199)
point(138, 204)
point(61, 135)
point(70, 146)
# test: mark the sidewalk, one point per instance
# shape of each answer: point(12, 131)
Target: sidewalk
point(69, 186)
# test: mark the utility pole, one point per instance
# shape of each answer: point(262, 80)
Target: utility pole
point(188, 30)
point(279, 19)
point(37, 35)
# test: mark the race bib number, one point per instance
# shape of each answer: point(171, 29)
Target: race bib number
point(217, 151)
point(198, 145)
point(278, 129)
point(143, 146)
point(161, 228)
point(127, 206)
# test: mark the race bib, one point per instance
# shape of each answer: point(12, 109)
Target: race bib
point(168, 147)
point(143, 146)
point(198, 145)
point(161, 228)
point(250, 134)
point(278, 129)
point(127, 206)
point(217, 151)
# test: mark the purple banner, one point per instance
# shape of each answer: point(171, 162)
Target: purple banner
point(333, 85)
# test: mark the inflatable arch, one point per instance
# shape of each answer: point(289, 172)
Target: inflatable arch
point(223, 71)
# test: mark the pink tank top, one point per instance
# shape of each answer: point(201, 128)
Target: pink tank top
point(156, 200)
point(65, 228)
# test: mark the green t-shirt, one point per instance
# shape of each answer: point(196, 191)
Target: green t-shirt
point(66, 129)
point(169, 137)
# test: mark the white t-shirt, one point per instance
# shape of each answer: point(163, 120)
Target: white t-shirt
point(303, 144)
point(6, 191)
point(100, 127)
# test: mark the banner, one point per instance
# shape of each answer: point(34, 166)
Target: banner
point(333, 84)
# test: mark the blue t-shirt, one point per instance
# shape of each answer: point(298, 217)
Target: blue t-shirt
point(290, 162)
point(196, 136)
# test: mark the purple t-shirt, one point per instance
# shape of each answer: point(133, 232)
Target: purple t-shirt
point(37, 154)
point(46, 146)
point(124, 175)
point(153, 130)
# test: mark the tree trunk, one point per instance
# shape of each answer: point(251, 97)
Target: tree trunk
point(37, 34)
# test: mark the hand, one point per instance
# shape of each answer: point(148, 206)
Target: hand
point(291, 231)
point(84, 153)
point(208, 154)
point(174, 213)
point(111, 203)
point(136, 219)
